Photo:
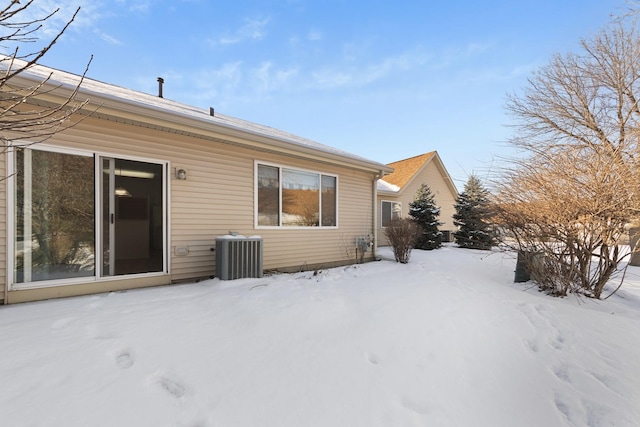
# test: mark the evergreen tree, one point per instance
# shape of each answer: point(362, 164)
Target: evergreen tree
point(472, 216)
point(424, 212)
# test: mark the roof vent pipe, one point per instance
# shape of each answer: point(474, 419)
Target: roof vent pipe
point(160, 82)
point(212, 112)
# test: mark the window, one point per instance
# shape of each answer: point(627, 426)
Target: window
point(329, 201)
point(300, 198)
point(83, 215)
point(390, 210)
point(268, 195)
point(295, 198)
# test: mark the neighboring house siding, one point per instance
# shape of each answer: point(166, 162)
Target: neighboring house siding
point(217, 197)
point(432, 175)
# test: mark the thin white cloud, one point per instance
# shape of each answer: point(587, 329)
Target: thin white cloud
point(314, 35)
point(523, 70)
point(458, 54)
point(107, 37)
point(311, 36)
point(88, 15)
point(141, 6)
point(269, 78)
point(209, 84)
point(231, 83)
point(477, 48)
point(294, 40)
point(357, 75)
point(332, 78)
point(390, 65)
point(253, 29)
point(496, 73)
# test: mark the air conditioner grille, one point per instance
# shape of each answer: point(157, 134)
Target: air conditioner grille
point(238, 257)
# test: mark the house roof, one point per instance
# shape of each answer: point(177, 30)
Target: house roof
point(112, 102)
point(404, 171)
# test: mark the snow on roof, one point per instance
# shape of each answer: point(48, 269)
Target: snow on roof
point(91, 87)
point(385, 186)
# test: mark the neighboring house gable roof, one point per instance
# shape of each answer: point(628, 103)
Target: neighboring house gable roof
point(405, 171)
point(111, 102)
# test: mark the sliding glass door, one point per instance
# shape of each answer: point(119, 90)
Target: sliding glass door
point(132, 217)
point(60, 223)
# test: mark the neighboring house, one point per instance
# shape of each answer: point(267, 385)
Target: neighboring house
point(136, 193)
point(398, 189)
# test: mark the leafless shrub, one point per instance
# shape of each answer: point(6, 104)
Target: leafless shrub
point(402, 234)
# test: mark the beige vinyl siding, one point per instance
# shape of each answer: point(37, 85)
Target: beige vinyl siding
point(218, 197)
point(432, 175)
point(3, 227)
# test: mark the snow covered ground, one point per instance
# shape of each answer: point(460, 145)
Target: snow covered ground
point(447, 340)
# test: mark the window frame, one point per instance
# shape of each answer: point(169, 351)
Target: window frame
point(280, 226)
point(97, 276)
point(392, 202)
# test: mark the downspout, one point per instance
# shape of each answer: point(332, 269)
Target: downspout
point(10, 237)
point(9, 252)
point(5, 300)
point(374, 216)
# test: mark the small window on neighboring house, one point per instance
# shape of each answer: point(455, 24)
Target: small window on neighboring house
point(390, 210)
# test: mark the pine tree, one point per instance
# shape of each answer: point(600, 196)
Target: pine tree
point(472, 216)
point(424, 212)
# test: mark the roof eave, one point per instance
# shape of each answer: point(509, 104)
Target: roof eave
point(117, 106)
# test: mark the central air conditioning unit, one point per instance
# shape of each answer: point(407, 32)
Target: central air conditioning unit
point(447, 236)
point(238, 257)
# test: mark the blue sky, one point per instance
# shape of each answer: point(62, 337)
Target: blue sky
point(384, 80)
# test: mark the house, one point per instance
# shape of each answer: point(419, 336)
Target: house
point(136, 193)
point(398, 189)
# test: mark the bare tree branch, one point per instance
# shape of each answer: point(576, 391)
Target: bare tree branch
point(24, 120)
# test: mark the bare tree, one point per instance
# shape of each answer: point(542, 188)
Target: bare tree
point(21, 117)
point(576, 186)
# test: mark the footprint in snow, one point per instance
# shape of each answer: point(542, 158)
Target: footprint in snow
point(417, 406)
point(98, 333)
point(62, 323)
point(174, 387)
point(562, 407)
point(124, 359)
point(562, 373)
point(372, 358)
point(532, 345)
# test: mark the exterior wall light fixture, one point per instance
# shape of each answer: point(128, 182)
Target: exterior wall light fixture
point(181, 174)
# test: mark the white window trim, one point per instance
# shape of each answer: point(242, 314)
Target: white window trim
point(389, 201)
point(257, 163)
point(96, 277)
